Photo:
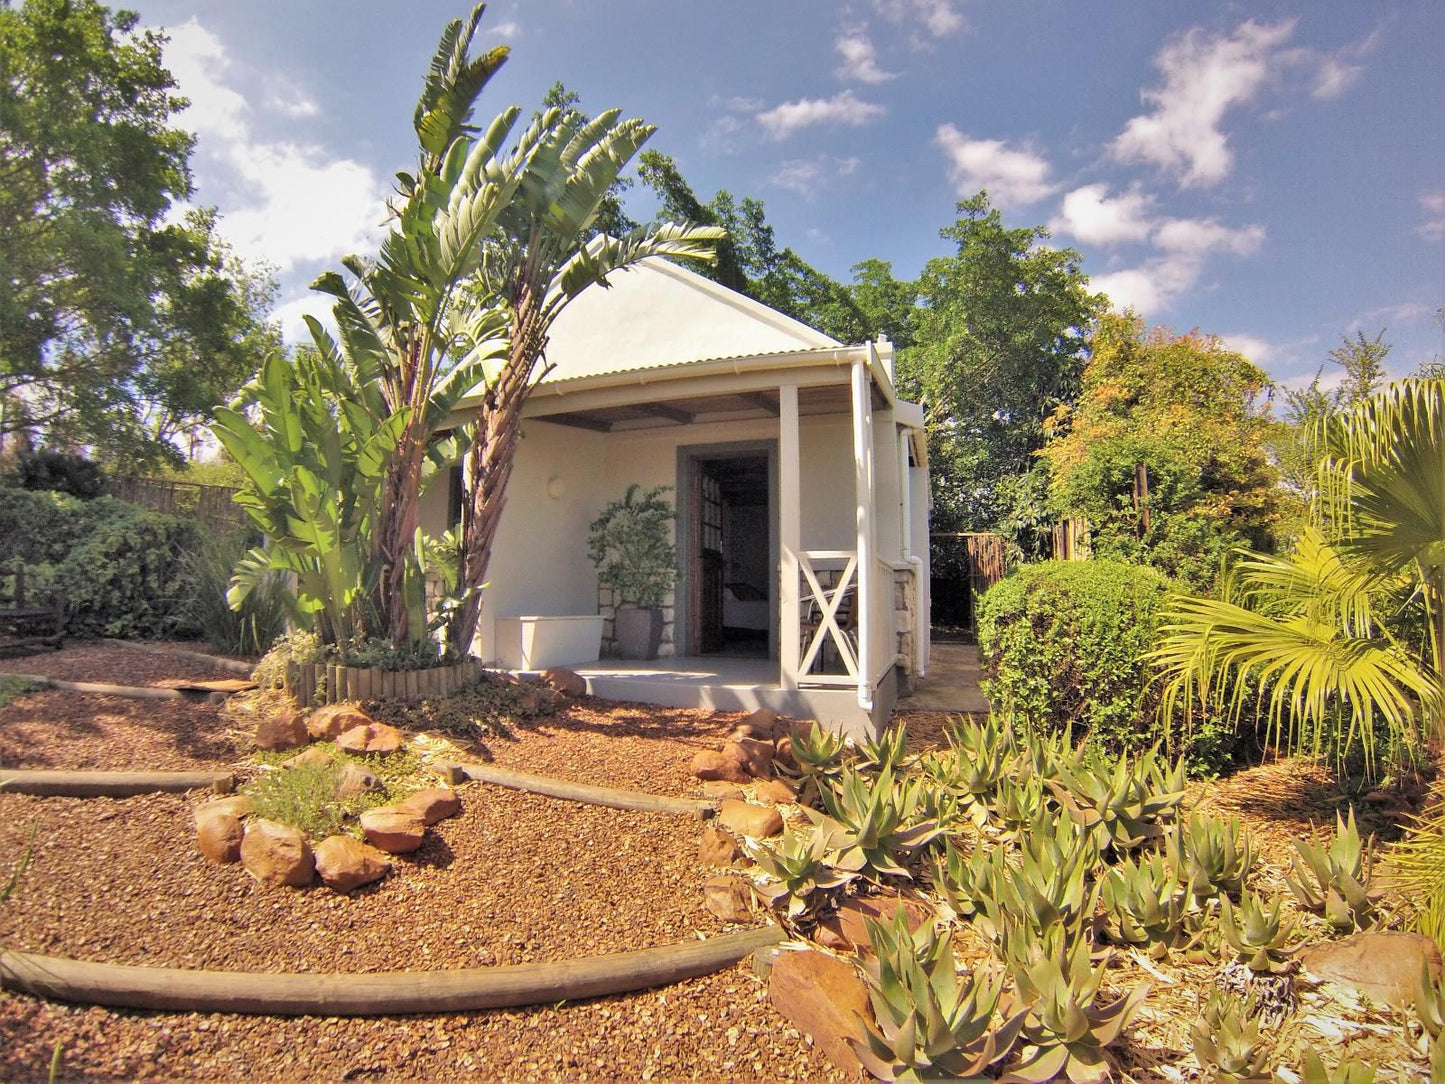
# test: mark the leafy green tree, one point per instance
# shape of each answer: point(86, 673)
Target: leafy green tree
point(1165, 451)
point(1000, 343)
point(118, 328)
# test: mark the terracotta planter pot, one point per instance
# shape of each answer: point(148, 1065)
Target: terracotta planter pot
point(638, 632)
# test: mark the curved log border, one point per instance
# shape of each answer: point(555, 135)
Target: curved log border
point(130, 692)
point(582, 792)
point(232, 665)
point(90, 784)
point(380, 993)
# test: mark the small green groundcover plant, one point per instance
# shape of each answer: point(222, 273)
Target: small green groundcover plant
point(305, 795)
point(11, 687)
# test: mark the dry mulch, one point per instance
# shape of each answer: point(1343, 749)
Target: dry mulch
point(515, 878)
point(90, 661)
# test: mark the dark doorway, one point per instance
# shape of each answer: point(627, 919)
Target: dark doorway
point(729, 578)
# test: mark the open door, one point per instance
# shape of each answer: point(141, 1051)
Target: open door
point(730, 585)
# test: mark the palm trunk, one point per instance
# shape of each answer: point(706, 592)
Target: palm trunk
point(400, 511)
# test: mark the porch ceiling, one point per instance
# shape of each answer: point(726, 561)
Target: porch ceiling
point(683, 410)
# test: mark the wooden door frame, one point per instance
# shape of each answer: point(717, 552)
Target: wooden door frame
point(689, 457)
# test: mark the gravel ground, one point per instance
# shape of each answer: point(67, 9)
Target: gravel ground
point(515, 878)
point(91, 661)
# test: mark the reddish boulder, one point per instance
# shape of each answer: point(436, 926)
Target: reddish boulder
point(1384, 967)
point(784, 754)
point(565, 681)
point(728, 898)
point(371, 738)
point(717, 848)
point(284, 730)
point(747, 730)
point(729, 767)
point(756, 756)
point(345, 863)
point(845, 931)
point(237, 805)
point(765, 722)
point(309, 758)
point(219, 836)
point(354, 779)
point(775, 790)
point(754, 821)
point(277, 854)
point(333, 720)
point(393, 830)
point(823, 997)
point(717, 789)
point(432, 805)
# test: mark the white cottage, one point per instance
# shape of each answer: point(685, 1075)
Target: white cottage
point(801, 484)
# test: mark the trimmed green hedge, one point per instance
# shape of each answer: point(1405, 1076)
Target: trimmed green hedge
point(1061, 641)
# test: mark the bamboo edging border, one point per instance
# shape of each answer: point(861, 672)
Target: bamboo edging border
point(378, 993)
point(583, 792)
point(333, 684)
point(89, 784)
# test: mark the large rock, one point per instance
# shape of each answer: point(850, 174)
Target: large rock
point(777, 791)
point(345, 863)
point(717, 848)
point(756, 821)
point(728, 898)
point(784, 754)
point(717, 789)
point(334, 720)
point(284, 730)
point(756, 756)
point(1384, 967)
point(393, 830)
point(845, 931)
point(727, 767)
point(309, 758)
point(236, 805)
point(822, 996)
point(277, 854)
point(353, 779)
point(371, 738)
point(565, 681)
point(432, 805)
point(219, 836)
point(765, 721)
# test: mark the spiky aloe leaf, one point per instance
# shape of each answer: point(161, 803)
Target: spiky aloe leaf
point(1258, 936)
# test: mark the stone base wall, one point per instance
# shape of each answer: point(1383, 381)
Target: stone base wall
point(607, 606)
point(905, 599)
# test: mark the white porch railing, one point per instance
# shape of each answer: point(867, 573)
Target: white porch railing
point(828, 589)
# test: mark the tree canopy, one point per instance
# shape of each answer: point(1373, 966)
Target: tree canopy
point(119, 324)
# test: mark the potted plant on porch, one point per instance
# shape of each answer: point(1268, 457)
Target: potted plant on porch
point(631, 546)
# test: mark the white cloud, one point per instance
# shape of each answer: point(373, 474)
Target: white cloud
point(1433, 228)
point(1402, 313)
point(1335, 76)
point(1183, 245)
point(860, 62)
point(289, 315)
point(938, 17)
point(1013, 177)
point(1200, 236)
point(285, 203)
point(1091, 215)
point(1204, 78)
point(806, 176)
point(1260, 351)
point(509, 29)
point(843, 108)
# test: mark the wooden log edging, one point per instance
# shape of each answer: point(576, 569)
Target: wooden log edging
point(582, 792)
point(88, 784)
point(95, 688)
point(232, 665)
point(331, 683)
point(377, 993)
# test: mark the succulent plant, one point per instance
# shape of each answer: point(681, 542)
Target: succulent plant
point(1067, 1028)
point(1334, 880)
point(1148, 905)
point(1430, 1011)
point(803, 871)
point(819, 753)
point(929, 1023)
point(1124, 805)
point(963, 880)
point(1016, 804)
point(1348, 1071)
point(1257, 935)
point(1211, 856)
point(1047, 885)
point(970, 769)
point(884, 817)
point(890, 750)
point(1228, 1043)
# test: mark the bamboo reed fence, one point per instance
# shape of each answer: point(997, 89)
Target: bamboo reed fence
point(328, 683)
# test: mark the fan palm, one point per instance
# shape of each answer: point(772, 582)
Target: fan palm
point(1317, 629)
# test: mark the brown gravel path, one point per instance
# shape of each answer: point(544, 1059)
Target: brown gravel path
point(84, 661)
point(515, 878)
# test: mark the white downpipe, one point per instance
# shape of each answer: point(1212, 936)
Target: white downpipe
point(863, 488)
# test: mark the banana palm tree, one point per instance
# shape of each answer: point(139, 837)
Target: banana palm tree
point(1318, 632)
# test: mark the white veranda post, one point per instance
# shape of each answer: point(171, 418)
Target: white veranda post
point(863, 488)
point(790, 530)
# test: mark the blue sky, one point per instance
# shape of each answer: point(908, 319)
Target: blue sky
point(1272, 173)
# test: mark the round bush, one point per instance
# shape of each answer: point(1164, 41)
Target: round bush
point(1061, 643)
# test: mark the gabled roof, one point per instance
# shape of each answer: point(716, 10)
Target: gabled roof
point(657, 315)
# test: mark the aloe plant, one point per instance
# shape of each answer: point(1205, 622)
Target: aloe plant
point(1334, 880)
point(890, 750)
point(1212, 857)
point(1016, 803)
point(1257, 935)
point(803, 871)
point(884, 817)
point(1124, 806)
point(819, 753)
point(1046, 886)
point(970, 769)
point(929, 1024)
point(1430, 1011)
point(1148, 905)
point(1067, 1027)
point(1348, 1071)
point(964, 880)
point(1228, 1043)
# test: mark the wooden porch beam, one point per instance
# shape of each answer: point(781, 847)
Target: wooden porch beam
point(578, 421)
point(663, 410)
point(758, 399)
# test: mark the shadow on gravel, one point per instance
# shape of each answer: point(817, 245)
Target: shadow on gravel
point(619, 720)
